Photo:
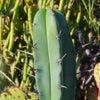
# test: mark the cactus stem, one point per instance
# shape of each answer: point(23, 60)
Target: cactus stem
point(45, 63)
point(61, 59)
point(30, 30)
point(58, 36)
point(62, 86)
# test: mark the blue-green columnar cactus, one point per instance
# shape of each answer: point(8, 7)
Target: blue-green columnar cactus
point(54, 56)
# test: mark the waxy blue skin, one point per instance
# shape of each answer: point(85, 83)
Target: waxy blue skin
point(54, 56)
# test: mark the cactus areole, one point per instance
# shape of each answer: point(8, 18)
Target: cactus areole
point(54, 56)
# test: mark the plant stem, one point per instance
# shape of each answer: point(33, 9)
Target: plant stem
point(23, 83)
point(9, 6)
point(2, 5)
point(7, 41)
point(11, 43)
point(40, 4)
point(61, 5)
point(69, 10)
point(44, 4)
point(30, 21)
point(0, 29)
point(51, 3)
point(77, 22)
point(15, 7)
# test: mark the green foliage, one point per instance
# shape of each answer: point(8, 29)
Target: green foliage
point(54, 56)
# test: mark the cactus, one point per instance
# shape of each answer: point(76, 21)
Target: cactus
point(97, 74)
point(54, 56)
point(12, 93)
point(97, 77)
point(3, 68)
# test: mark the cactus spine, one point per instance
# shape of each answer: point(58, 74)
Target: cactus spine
point(54, 57)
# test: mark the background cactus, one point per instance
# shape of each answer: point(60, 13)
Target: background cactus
point(97, 74)
point(13, 93)
point(97, 77)
point(54, 56)
point(3, 68)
